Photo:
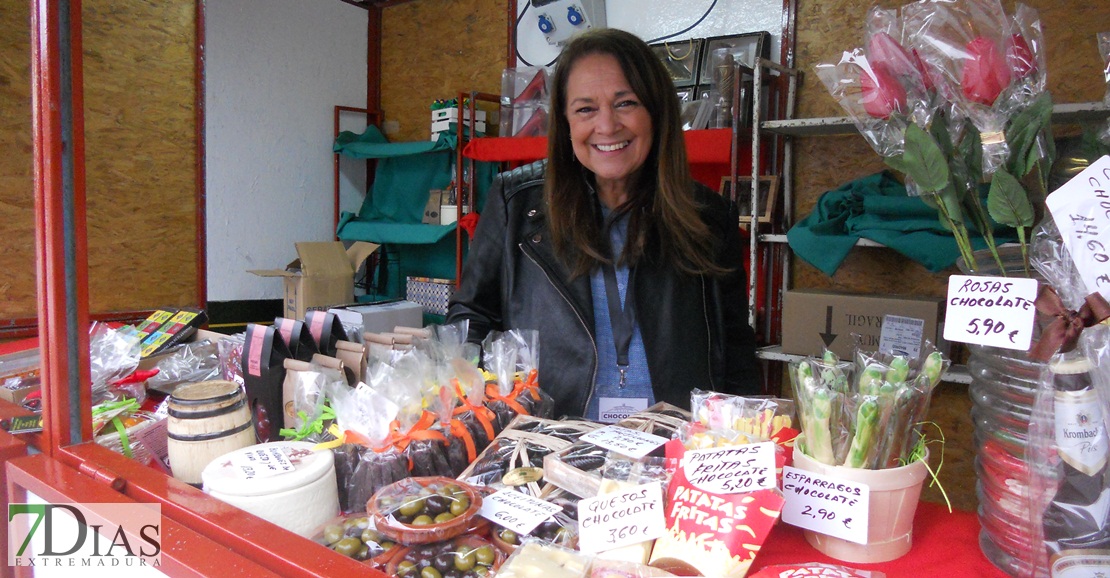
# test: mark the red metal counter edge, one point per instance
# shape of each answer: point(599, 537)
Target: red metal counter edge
point(944, 545)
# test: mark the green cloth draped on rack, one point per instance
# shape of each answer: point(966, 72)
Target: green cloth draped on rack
point(876, 207)
point(394, 208)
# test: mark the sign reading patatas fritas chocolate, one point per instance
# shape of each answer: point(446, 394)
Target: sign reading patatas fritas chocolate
point(710, 533)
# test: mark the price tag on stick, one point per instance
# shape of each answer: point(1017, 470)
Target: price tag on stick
point(1081, 209)
point(262, 463)
point(517, 511)
point(619, 519)
point(632, 443)
point(994, 311)
point(824, 504)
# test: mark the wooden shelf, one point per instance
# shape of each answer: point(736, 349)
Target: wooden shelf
point(955, 373)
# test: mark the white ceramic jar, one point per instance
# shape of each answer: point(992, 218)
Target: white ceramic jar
point(301, 498)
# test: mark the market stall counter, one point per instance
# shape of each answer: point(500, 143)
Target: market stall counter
point(945, 545)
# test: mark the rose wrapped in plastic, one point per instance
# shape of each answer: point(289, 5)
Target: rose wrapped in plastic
point(882, 88)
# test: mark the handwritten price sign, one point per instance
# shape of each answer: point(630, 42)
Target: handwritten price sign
point(731, 470)
point(1081, 209)
point(994, 311)
point(824, 504)
point(262, 463)
point(517, 511)
point(632, 443)
point(613, 520)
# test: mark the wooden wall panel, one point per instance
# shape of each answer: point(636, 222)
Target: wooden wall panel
point(140, 138)
point(432, 49)
point(140, 153)
point(17, 198)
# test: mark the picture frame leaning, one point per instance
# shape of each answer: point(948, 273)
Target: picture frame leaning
point(742, 195)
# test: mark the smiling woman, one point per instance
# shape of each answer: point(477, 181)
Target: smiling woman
point(628, 268)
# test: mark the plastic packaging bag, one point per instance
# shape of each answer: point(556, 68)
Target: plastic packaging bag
point(1068, 451)
point(512, 359)
point(113, 355)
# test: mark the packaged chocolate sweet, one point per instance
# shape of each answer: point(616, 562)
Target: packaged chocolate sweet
point(511, 360)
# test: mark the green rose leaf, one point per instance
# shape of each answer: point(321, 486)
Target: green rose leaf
point(925, 162)
point(1022, 133)
point(897, 163)
point(1007, 202)
point(971, 151)
point(939, 129)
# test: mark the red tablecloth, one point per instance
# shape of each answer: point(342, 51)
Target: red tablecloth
point(944, 545)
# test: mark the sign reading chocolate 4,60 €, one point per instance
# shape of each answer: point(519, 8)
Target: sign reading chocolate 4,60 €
point(1081, 209)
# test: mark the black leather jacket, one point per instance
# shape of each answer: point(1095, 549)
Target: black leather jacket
point(695, 328)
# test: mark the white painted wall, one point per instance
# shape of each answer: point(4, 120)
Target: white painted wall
point(274, 72)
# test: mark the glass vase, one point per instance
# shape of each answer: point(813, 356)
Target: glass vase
point(1003, 388)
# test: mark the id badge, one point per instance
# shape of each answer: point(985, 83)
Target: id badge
point(614, 409)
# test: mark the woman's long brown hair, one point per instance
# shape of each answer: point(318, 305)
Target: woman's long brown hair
point(663, 216)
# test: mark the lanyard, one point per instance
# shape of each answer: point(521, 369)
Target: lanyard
point(621, 320)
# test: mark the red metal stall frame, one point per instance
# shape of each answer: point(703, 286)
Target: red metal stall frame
point(207, 537)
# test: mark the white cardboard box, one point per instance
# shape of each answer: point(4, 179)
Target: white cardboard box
point(381, 317)
point(453, 114)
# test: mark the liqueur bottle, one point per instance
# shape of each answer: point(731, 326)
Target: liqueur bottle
point(1076, 520)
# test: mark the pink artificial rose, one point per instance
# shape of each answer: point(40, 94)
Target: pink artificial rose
point(1019, 56)
point(985, 72)
point(883, 51)
point(882, 93)
point(923, 69)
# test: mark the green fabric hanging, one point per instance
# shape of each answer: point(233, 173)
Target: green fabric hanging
point(876, 207)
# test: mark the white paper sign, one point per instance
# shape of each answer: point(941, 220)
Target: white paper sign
point(517, 511)
point(632, 443)
point(733, 469)
point(994, 311)
point(262, 463)
point(1081, 209)
point(613, 520)
point(826, 505)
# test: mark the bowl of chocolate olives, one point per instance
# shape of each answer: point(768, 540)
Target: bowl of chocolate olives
point(422, 510)
point(355, 537)
point(466, 556)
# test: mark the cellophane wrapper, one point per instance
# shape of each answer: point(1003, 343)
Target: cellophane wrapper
point(1066, 515)
point(991, 66)
point(880, 96)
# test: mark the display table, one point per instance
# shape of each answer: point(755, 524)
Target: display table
point(944, 545)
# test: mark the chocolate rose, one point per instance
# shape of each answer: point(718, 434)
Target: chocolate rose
point(924, 70)
point(883, 51)
point(882, 94)
point(985, 72)
point(1019, 56)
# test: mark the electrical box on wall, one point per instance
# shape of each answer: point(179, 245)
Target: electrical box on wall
point(559, 20)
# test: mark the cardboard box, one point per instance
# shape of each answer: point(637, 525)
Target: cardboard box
point(442, 126)
point(433, 294)
point(381, 317)
point(322, 275)
point(19, 375)
point(814, 320)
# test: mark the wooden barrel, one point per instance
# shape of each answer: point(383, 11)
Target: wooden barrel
point(206, 420)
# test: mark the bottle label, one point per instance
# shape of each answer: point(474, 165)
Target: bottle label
point(1080, 435)
point(1080, 564)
